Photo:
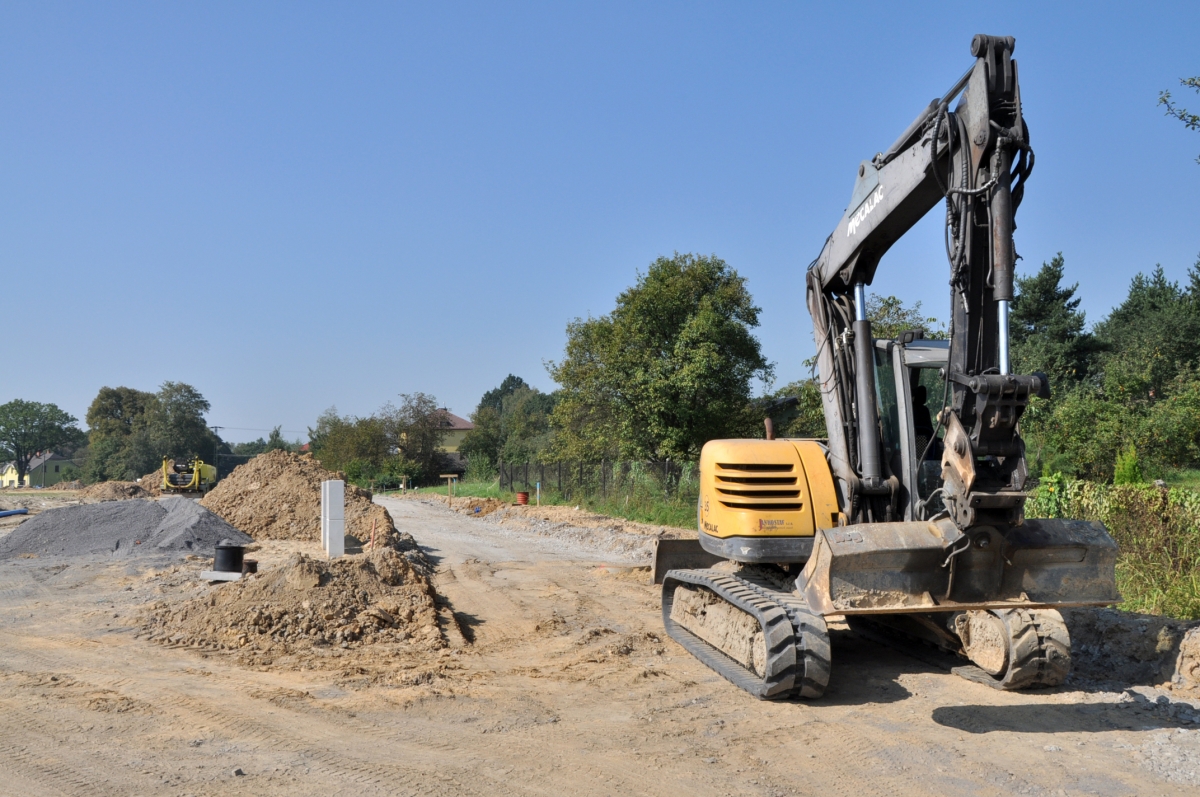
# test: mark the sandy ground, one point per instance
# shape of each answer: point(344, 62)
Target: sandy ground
point(561, 682)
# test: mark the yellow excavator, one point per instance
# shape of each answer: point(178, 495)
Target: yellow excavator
point(909, 518)
point(187, 477)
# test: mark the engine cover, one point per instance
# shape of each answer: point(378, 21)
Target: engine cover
point(763, 500)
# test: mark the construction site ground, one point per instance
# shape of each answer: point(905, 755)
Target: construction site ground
point(557, 680)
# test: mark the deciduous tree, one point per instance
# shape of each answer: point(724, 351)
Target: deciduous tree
point(669, 369)
point(28, 428)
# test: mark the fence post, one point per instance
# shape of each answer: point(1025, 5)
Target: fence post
point(527, 475)
point(603, 483)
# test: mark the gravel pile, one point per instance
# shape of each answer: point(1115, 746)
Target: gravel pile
point(136, 527)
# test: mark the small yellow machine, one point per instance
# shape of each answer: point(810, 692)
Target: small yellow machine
point(187, 477)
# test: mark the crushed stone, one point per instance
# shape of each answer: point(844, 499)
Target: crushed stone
point(277, 496)
point(307, 610)
point(137, 527)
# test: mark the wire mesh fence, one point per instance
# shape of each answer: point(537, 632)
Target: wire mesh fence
point(608, 480)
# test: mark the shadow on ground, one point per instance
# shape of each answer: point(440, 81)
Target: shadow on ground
point(1139, 714)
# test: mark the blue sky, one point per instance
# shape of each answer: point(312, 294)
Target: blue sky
point(292, 206)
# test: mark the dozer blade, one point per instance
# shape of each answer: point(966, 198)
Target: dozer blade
point(881, 568)
point(680, 555)
point(761, 640)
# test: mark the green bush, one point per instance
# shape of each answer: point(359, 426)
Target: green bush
point(1128, 470)
point(1157, 529)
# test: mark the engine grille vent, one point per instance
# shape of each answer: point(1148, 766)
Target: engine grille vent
point(766, 487)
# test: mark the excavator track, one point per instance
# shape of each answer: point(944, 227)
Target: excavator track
point(795, 651)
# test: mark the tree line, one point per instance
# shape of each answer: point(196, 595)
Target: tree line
point(676, 363)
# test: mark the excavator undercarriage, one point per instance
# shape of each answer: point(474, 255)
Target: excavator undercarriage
point(900, 526)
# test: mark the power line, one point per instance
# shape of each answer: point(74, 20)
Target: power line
point(247, 429)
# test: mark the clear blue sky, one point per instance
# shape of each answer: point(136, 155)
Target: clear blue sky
point(292, 206)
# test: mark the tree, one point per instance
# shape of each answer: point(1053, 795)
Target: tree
point(395, 441)
point(1047, 328)
point(176, 424)
point(28, 428)
point(130, 431)
point(1190, 120)
point(512, 422)
point(273, 442)
point(416, 430)
point(342, 442)
point(494, 398)
point(114, 410)
point(807, 418)
point(1150, 336)
point(669, 369)
point(889, 317)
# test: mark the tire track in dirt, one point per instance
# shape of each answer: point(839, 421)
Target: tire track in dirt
point(27, 746)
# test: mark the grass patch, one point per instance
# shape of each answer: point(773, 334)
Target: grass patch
point(640, 505)
point(1187, 478)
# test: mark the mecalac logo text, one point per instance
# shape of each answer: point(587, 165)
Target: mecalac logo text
point(864, 210)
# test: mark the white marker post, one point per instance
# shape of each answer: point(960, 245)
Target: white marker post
point(333, 518)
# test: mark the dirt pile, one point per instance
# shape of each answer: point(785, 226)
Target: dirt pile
point(1125, 648)
point(277, 496)
point(478, 507)
point(111, 491)
point(152, 481)
point(120, 529)
point(71, 485)
point(307, 607)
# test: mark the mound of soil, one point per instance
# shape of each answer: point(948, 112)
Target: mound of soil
point(1108, 645)
point(152, 481)
point(72, 485)
point(478, 507)
point(308, 606)
point(277, 496)
point(111, 491)
point(121, 528)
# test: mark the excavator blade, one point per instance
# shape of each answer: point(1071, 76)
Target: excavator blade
point(680, 555)
point(917, 567)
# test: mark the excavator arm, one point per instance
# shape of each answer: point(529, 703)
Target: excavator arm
point(976, 158)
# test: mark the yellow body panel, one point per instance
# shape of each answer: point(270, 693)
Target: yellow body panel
point(765, 488)
point(202, 476)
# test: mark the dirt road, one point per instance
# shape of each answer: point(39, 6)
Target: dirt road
point(564, 684)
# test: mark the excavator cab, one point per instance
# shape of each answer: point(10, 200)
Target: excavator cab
point(911, 385)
